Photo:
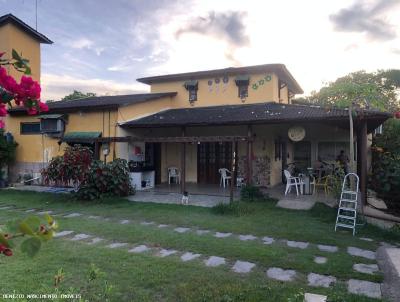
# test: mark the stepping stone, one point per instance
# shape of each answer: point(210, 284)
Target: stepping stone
point(5, 208)
point(80, 237)
point(355, 251)
point(189, 256)
point(297, 244)
point(124, 221)
point(366, 268)
point(117, 245)
point(222, 235)
point(328, 248)
point(147, 222)
point(320, 280)
point(267, 240)
point(214, 261)
point(320, 260)
point(94, 217)
point(161, 226)
point(366, 288)
point(314, 298)
point(247, 237)
point(107, 219)
point(30, 211)
point(62, 234)
point(45, 212)
point(202, 232)
point(367, 239)
point(165, 252)
point(243, 267)
point(72, 215)
point(139, 249)
point(95, 240)
point(181, 230)
point(281, 274)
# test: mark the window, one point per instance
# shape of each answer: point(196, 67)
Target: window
point(192, 87)
point(242, 82)
point(30, 128)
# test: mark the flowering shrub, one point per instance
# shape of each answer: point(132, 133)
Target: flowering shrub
point(26, 93)
point(111, 179)
point(32, 227)
point(70, 168)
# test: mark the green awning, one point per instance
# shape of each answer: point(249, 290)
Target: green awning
point(71, 136)
point(50, 116)
point(242, 79)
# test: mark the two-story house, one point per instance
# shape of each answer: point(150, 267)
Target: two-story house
point(241, 119)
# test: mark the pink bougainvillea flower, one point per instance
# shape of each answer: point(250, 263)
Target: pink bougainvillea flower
point(2, 124)
point(2, 54)
point(3, 110)
point(43, 107)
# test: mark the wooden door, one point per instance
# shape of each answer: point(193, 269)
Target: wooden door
point(210, 158)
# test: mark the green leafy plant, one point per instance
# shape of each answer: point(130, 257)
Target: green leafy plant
point(7, 150)
point(234, 208)
point(33, 230)
point(111, 179)
point(252, 193)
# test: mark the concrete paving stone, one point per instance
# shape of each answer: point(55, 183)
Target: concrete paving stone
point(166, 252)
point(281, 274)
point(147, 222)
point(94, 217)
point(247, 237)
point(117, 245)
point(202, 232)
point(139, 249)
point(243, 267)
point(367, 239)
point(106, 219)
point(62, 234)
point(366, 288)
point(267, 240)
point(30, 211)
point(189, 256)
point(161, 226)
point(355, 251)
point(214, 261)
point(222, 235)
point(181, 230)
point(81, 237)
point(394, 255)
point(328, 248)
point(124, 221)
point(95, 240)
point(297, 244)
point(5, 208)
point(72, 215)
point(45, 212)
point(366, 268)
point(320, 280)
point(314, 298)
point(320, 260)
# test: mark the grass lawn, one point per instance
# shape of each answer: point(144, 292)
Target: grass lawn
point(145, 277)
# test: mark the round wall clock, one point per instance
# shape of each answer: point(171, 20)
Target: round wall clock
point(296, 133)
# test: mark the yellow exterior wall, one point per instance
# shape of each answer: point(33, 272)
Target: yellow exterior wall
point(11, 37)
point(222, 94)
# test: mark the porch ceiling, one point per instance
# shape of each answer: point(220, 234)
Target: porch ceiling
point(264, 113)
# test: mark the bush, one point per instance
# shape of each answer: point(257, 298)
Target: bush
point(111, 179)
point(252, 193)
point(234, 208)
point(70, 168)
point(7, 150)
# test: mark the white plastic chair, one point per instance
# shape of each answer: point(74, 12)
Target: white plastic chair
point(292, 181)
point(174, 173)
point(224, 177)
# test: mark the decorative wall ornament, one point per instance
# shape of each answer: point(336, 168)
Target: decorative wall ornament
point(261, 81)
point(296, 133)
point(210, 85)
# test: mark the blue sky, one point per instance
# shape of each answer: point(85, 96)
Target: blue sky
point(103, 46)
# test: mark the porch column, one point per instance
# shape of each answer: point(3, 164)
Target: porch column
point(249, 176)
point(233, 169)
point(362, 151)
point(183, 163)
point(96, 150)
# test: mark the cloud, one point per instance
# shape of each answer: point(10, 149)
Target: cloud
point(54, 86)
point(368, 19)
point(81, 43)
point(225, 25)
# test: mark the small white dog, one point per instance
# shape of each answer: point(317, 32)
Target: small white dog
point(185, 198)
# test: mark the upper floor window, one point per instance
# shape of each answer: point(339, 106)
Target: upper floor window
point(192, 87)
point(242, 82)
point(30, 128)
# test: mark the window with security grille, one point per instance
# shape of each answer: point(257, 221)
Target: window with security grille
point(30, 128)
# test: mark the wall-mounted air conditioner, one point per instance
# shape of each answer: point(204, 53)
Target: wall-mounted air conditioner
point(51, 126)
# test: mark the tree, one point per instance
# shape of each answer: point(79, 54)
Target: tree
point(77, 95)
point(7, 151)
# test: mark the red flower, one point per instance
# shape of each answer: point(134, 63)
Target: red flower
point(3, 110)
point(2, 124)
point(2, 248)
point(8, 252)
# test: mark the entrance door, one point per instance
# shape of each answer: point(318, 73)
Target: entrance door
point(210, 158)
point(302, 155)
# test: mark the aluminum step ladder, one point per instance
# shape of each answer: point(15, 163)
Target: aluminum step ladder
point(347, 211)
